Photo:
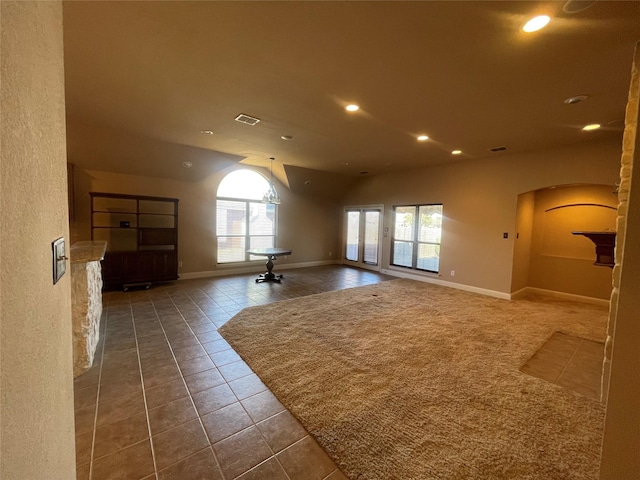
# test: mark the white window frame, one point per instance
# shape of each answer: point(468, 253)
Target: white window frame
point(415, 241)
point(247, 236)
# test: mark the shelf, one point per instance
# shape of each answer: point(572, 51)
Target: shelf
point(145, 251)
point(118, 212)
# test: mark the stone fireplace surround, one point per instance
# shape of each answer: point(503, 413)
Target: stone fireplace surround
point(86, 301)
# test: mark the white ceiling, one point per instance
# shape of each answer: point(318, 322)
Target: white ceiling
point(144, 78)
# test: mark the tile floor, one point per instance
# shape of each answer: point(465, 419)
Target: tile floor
point(167, 398)
point(571, 362)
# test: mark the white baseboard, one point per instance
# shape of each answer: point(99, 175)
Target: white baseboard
point(435, 280)
point(519, 293)
point(565, 296)
point(256, 268)
point(428, 278)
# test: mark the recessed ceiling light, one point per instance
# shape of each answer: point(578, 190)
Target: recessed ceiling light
point(591, 126)
point(286, 137)
point(575, 6)
point(576, 99)
point(536, 23)
point(206, 132)
point(345, 163)
point(423, 138)
point(456, 152)
point(187, 164)
point(352, 108)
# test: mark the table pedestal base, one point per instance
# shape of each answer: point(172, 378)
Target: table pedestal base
point(269, 276)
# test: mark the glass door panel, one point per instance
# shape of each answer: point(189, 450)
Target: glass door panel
point(371, 240)
point(353, 236)
point(362, 237)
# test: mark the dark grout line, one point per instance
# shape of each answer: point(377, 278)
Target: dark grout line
point(144, 395)
point(193, 404)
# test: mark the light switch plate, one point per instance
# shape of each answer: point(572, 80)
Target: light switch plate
point(59, 259)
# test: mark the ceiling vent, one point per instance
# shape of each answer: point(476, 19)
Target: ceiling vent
point(497, 149)
point(242, 118)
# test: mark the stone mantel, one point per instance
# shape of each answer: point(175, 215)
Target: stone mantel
point(89, 251)
point(86, 301)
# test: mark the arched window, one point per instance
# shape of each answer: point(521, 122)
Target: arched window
point(242, 220)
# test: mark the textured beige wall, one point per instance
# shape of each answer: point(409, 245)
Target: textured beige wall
point(563, 262)
point(36, 383)
point(621, 381)
point(480, 203)
point(522, 242)
point(307, 226)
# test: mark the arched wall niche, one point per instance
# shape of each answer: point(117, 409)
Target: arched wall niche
point(547, 256)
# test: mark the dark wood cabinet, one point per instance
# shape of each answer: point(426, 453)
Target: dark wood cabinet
point(142, 238)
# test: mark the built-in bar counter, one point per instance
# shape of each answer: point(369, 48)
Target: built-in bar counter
point(86, 301)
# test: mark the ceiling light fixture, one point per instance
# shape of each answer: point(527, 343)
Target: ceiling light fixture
point(286, 137)
point(271, 195)
point(456, 152)
point(206, 132)
point(575, 6)
point(576, 99)
point(536, 23)
point(352, 108)
point(591, 127)
point(187, 164)
point(423, 138)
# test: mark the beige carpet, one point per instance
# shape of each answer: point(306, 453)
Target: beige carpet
point(407, 380)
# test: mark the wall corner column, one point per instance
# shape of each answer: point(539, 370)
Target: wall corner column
point(620, 379)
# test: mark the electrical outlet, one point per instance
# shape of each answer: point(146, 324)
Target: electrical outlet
point(180, 263)
point(330, 253)
point(453, 273)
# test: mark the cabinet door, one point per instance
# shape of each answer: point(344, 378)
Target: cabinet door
point(150, 266)
point(166, 265)
point(113, 269)
point(139, 267)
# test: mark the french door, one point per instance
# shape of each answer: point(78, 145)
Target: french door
point(362, 239)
